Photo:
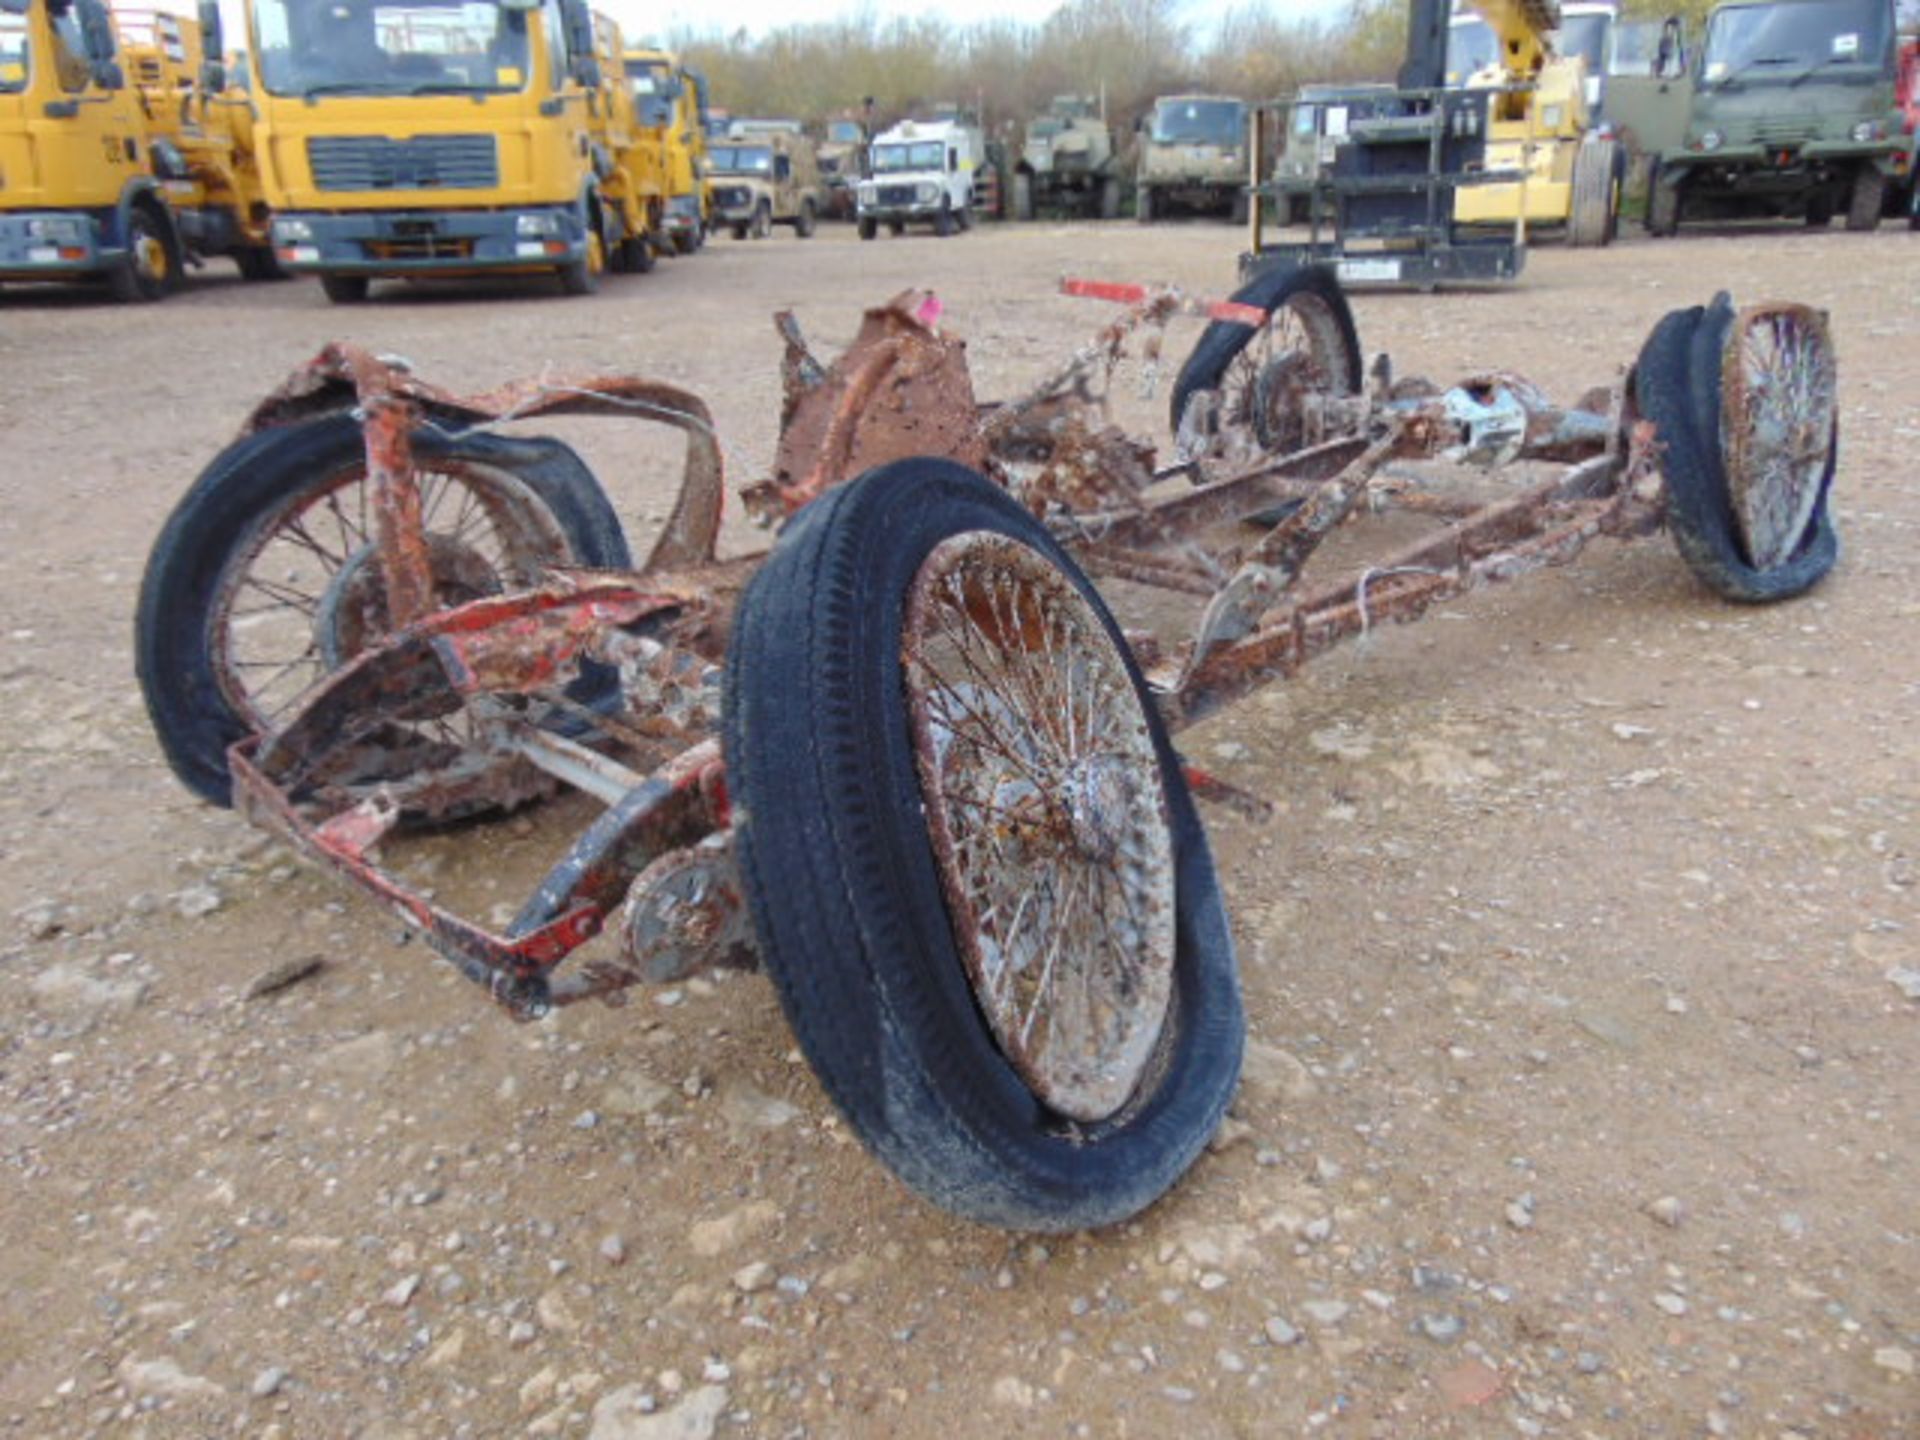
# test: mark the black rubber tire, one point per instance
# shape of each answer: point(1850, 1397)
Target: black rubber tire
point(896, 227)
point(1239, 207)
point(1865, 199)
point(1022, 197)
point(804, 224)
point(1676, 385)
point(869, 227)
point(259, 263)
point(578, 277)
point(1143, 204)
point(943, 222)
point(129, 283)
point(636, 255)
point(1594, 194)
point(1110, 198)
point(1222, 340)
point(1663, 202)
point(345, 289)
point(740, 230)
point(762, 224)
point(847, 902)
point(173, 640)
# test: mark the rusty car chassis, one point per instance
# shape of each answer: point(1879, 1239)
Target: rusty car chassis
point(1054, 883)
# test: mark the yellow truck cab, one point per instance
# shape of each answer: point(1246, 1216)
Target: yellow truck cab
point(670, 108)
point(431, 137)
point(77, 196)
point(200, 138)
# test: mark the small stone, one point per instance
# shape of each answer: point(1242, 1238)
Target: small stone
point(447, 1352)
point(1671, 1303)
point(268, 1382)
point(1231, 751)
point(1667, 1210)
point(751, 1279)
point(717, 1236)
point(1906, 981)
point(613, 1249)
point(165, 1378)
point(539, 1388)
point(1280, 1332)
point(283, 976)
point(1676, 1005)
point(715, 1371)
point(1520, 1212)
point(630, 1413)
point(1893, 1359)
point(1013, 1391)
point(1587, 1362)
point(1444, 1329)
point(1326, 1312)
point(745, 1108)
point(400, 1293)
point(553, 1314)
point(198, 901)
point(521, 1332)
point(586, 1120)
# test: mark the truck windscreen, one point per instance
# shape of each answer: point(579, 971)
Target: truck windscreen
point(1471, 48)
point(364, 47)
point(1782, 42)
point(1585, 36)
point(13, 53)
point(924, 155)
point(1197, 122)
point(740, 159)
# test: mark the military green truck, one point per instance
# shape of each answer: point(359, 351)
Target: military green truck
point(1068, 164)
point(1193, 155)
point(1789, 109)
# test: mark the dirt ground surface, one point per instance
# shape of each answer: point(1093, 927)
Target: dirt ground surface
point(1578, 960)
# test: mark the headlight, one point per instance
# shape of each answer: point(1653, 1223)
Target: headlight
point(1710, 139)
point(536, 225)
point(927, 192)
point(1867, 130)
point(285, 232)
point(57, 229)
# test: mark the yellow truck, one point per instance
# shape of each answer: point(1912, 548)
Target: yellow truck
point(414, 138)
point(671, 105)
point(107, 176)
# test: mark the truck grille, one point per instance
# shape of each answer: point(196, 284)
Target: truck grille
point(426, 162)
point(896, 194)
point(1784, 129)
point(421, 247)
point(730, 196)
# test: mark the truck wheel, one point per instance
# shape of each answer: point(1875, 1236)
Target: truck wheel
point(869, 227)
point(896, 227)
point(1110, 198)
point(1262, 374)
point(1819, 212)
point(943, 222)
point(804, 225)
point(258, 262)
point(1240, 206)
point(1143, 204)
point(762, 225)
point(1663, 201)
point(345, 289)
point(740, 230)
point(264, 578)
point(1035, 1024)
point(963, 217)
point(1595, 193)
point(1744, 409)
point(151, 270)
point(1023, 197)
point(1869, 193)
point(582, 276)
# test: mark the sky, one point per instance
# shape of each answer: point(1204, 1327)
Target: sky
point(661, 17)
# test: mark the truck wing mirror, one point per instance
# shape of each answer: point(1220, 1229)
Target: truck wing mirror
point(107, 75)
point(96, 33)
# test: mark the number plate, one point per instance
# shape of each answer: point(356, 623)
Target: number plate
point(1369, 271)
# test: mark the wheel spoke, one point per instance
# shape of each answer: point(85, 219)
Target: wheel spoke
point(1048, 816)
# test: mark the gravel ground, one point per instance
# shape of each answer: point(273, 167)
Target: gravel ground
point(1579, 961)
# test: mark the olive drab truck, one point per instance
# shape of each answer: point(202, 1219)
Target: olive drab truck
point(118, 163)
point(761, 176)
point(923, 173)
point(1068, 162)
point(843, 156)
point(670, 104)
point(422, 138)
point(1193, 155)
point(1791, 110)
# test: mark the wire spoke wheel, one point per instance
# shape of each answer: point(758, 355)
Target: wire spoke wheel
point(1047, 817)
point(1297, 354)
point(305, 594)
point(1776, 425)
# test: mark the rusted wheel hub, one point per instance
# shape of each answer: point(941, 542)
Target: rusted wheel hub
point(1047, 816)
point(1776, 425)
point(352, 612)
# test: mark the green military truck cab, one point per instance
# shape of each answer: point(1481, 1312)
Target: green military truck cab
point(1790, 111)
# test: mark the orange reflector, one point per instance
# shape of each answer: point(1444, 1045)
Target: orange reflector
point(72, 252)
